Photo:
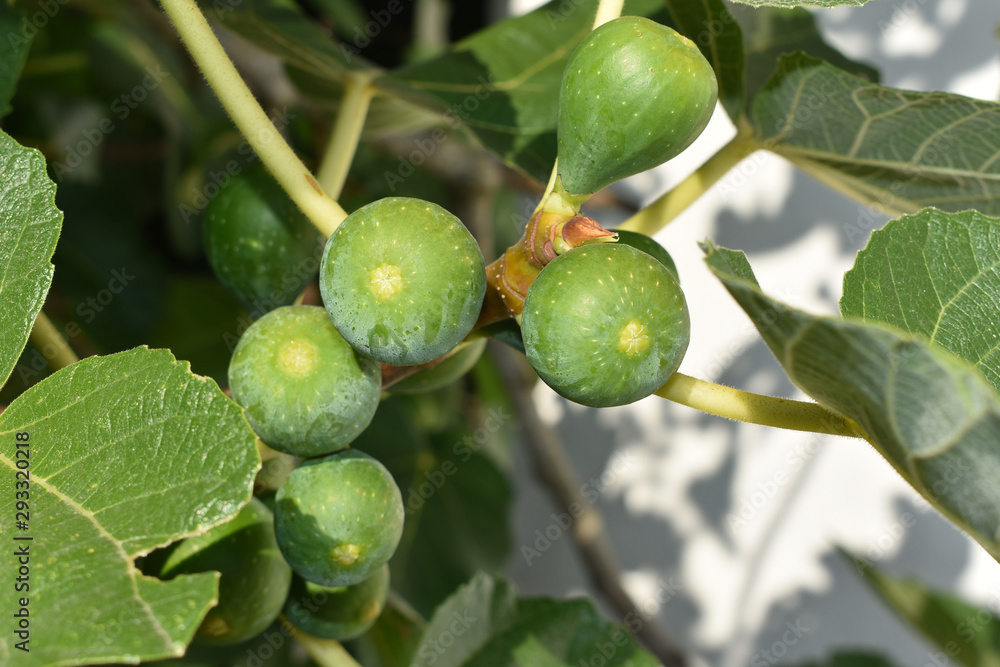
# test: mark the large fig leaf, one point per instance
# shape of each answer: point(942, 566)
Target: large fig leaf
point(936, 275)
point(503, 82)
point(28, 235)
point(968, 635)
point(770, 33)
point(485, 623)
point(125, 453)
point(898, 149)
point(932, 416)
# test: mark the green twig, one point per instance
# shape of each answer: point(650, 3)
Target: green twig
point(744, 406)
point(346, 134)
point(51, 343)
point(664, 210)
point(325, 652)
point(249, 117)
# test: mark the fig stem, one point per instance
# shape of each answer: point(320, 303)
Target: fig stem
point(239, 102)
point(51, 343)
point(664, 210)
point(608, 10)
point(744, 406)
point(555, 471)
point(325, 652)
point(346, 133)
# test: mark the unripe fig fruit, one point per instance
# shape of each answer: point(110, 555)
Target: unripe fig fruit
point(258, 242)
point(649, 246)
point(403, 280)
point(605, 325)
point(338, 518)
point(339, 613)
point(634, 94)
point(305, 391)
point(254, 578)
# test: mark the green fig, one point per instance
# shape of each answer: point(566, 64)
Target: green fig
point(338, 518)
point(339, 613)
point(259, 244)
point(634, 94)
point(403, 280)
point(304, 390)
point(254, 578)
point(605, 325)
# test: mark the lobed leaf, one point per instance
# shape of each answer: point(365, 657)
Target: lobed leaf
point(967, 634)
point(899, 149)
point(709, 24)
point(485, 623)
point(936, 275)
point(770, 33)
point(28, 235)
point(502, 83)
point(927, 412)
point(127, 453)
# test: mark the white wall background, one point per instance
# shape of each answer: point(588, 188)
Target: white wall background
point(803, 495)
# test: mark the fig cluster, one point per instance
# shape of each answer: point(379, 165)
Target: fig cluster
point(603, 321)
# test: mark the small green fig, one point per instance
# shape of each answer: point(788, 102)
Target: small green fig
point(254, 578)
point(304, 390)
point(338, 613)
point(605, 325)
point(338, 518)
point(403, 280)
point(634, 94)
point(259, 244)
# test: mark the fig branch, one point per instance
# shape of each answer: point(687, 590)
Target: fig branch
point(744, 406)
point(249, 117)
point(343, 143)
point(47, 339)
point(555, 471)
